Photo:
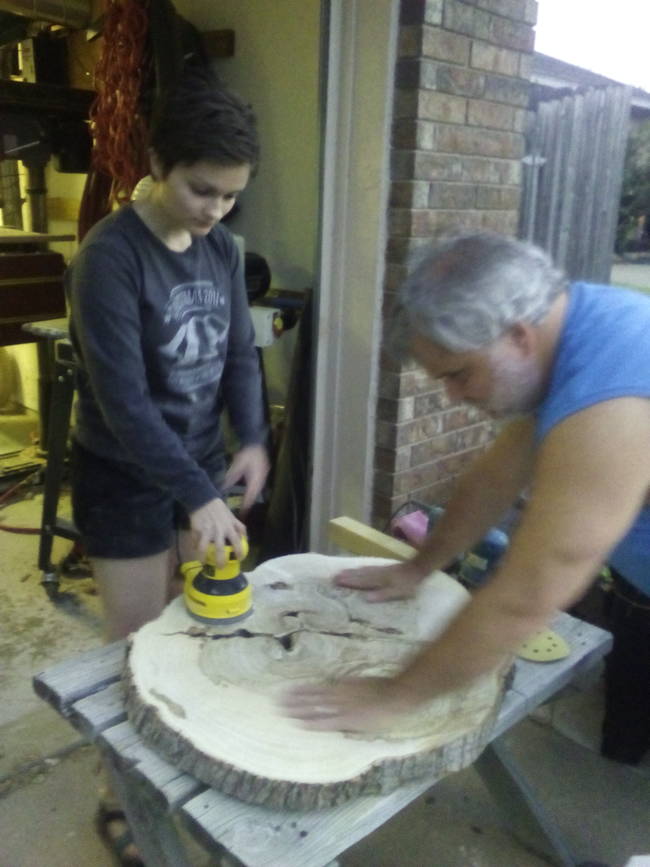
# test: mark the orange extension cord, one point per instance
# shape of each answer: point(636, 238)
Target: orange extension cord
point(118, 128)
point(32, 531)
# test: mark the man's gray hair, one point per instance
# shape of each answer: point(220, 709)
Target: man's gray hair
point(468, 290)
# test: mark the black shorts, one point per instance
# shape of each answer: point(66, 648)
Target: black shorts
point(119, 512)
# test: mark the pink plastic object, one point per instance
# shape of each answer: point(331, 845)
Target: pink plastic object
point(412, 528)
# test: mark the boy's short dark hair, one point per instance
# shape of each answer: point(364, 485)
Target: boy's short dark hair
point(201, 120)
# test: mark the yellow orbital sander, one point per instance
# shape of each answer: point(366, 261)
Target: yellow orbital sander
point(217, 595)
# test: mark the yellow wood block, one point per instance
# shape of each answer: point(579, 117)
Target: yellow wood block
point(358, 538)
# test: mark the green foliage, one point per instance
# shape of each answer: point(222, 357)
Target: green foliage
point(635, 195)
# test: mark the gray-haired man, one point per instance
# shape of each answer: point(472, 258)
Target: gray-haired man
point(569, 366)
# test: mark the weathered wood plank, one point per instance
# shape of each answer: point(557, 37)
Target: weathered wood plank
point(521, 810)
point(95, 713)
point(571, 210)
point(119, 739)
point(172, 786)
point(74, 679)
point(154, 831)
point(260, 837)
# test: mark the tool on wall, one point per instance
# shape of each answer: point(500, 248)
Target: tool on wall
point(217, 594)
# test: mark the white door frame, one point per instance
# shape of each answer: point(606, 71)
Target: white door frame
point(361, 50)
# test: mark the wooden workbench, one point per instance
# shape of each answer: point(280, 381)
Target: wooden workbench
point(87, 691)
point(10, 237)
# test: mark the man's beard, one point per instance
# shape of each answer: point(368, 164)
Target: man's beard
point(517, 387)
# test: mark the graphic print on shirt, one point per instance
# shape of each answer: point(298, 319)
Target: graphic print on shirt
point(197, 351)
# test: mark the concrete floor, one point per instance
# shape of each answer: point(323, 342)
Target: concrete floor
point(49, 777)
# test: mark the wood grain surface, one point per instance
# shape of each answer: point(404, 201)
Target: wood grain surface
point(208, 697)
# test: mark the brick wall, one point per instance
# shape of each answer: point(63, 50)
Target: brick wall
point(461, 91)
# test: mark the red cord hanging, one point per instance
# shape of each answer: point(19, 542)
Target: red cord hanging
point(117, 125)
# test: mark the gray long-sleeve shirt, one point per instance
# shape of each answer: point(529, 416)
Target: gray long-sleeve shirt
point(164, 341)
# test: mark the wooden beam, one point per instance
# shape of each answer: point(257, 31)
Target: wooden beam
point(358, 538)
point(45, 98)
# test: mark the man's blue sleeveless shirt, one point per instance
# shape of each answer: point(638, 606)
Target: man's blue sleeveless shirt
point(603, 354)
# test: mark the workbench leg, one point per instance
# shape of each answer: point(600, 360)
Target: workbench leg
point(46, 378)
point(153, 829)
point(59, 422)
point(525, 816)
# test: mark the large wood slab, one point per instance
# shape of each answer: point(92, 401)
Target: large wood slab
point(208, 697)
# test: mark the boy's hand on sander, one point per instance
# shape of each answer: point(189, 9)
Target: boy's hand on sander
point(215, 523)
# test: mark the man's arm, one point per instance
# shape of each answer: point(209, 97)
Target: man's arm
point(591, 477)
point(482, 496)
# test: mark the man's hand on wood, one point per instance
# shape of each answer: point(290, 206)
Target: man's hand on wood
point(364, 704)
point(382, 583)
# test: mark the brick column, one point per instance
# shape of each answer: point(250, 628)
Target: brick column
point(461, 91)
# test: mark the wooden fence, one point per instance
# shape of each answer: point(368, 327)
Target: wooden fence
point(573, 172)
